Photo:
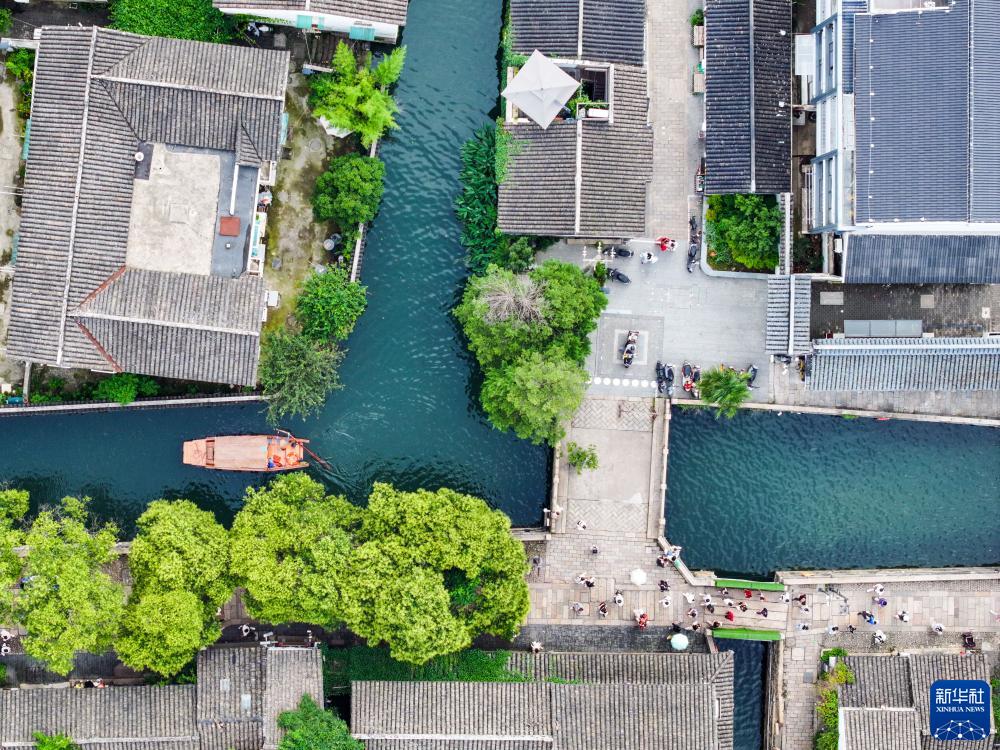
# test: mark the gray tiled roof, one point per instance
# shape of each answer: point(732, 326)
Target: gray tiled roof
point(613, 30)
point(639, 701)
point(849, 8)
point(876, 729)
point(918, 157)
point(902, 682)
point(377, 11)
point(934, 364)
point(922, 259)
point(779, 314)
point(98, 94)
point(289, 673)
point(539, 195)
point(748, 59)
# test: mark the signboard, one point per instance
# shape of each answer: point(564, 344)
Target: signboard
point(960, 710)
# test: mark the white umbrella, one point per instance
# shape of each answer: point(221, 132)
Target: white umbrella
point(679, 642)
point(638, 576)
point(541, 88)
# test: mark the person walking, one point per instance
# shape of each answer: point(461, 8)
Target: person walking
point(692, 613)
point(878, 638)
point(731, 616)
point(743, 607)
point(689, 597)
point(602, 609)
point(729, 602)
point(801, 626)
point(619, 599)
point(762, 612)
point(577, 607)
point(590, 582)
point(665, 601)
point(903, 615)
point(664, 585)
point(937, 628)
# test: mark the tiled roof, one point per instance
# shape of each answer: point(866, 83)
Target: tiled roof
point(98, 94)
point(918, 364)
point(849, 8)
point(928, 147)
point(612, 31)
point(780, 311)
point(612, 700)
point(748, 63)
point(900, 683)
point(871, 729)
point(376, 11)
point(922, 259)
point(540, 193)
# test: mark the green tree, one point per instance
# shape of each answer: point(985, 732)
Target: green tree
point(311, 728)
point(289, 550)
point(124, 387)
point(534, 397)
point(180, 570)
point(177, 19)
point(163, 631)
point(356, 97)
point(581, 458)
point(744, 229)
point(69, 603)
point(329, 305)
point(53, 742)
point(575, 302)
point(296, 374)
point(21, 64)
point(6, 20)
point(13, 507)
point(726, 389)
point(349, 192)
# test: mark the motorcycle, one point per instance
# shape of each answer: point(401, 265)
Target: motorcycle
point(617, 251)
point(751, 373)
point(669, 378)
point(615, 275)
point(692, 257)
point(695, 379)
point(631, 344)
point(687, 373)
point(661, 377)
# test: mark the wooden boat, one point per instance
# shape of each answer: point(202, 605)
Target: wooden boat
point(265, 453)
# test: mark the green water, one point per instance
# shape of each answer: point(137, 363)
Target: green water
point(408, 413)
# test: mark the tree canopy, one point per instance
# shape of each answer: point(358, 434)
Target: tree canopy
point(13, 507)
point(296, 374)
point(329, 305)
point(309, 727)
point(69, 603)
point(178, 19)
point(349, 192)
point(53, 742)
point(356, 97)
point(180, 569)
point(289, 549)
point(726, 389)
point(744, 229)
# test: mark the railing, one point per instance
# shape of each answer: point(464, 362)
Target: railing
point(359, 245)
point(141, 403)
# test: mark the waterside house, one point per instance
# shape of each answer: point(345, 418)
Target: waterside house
point(572, 701)
point(234, 706)
point(141, 240)
point(889, 703)
point(585, 174)
point(748, 90)
point(367, 20)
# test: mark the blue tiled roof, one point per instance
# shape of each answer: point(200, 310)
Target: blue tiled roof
point(920, 78)
point(922, 259)
point(944, 364)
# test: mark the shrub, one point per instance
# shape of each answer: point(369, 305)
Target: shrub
point(177, 19)
point(296, 374)
point(840, 653)
point(53, 742)
point(309, 727)
point(726, 389)
point(698, 17)
point(364, 663)
point(124, 387)
point(21, 64)
point(329, 305)
point(6, 20)
point(744, 229)
point(356, 97)
point(349, 192)
point(581, 458)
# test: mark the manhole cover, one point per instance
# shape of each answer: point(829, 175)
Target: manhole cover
point(315, 145)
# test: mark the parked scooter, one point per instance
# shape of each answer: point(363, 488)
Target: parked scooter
point(692, 257)
point(615, 275)
point(631, 344)
point(617, 251)
point(661, 377)
point(751, 373)
point(687, 376)
point(695, 379)
point(669, 377)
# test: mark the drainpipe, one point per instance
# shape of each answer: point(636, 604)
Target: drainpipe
point(232, 195)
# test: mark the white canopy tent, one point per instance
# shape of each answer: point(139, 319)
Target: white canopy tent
point(541, 89)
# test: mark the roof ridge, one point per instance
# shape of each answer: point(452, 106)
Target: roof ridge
point(99, 346)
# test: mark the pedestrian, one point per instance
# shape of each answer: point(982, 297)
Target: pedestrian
point(801, 598)
point(662, 561)
point(725, 591)
point(581, 578)
point(576, 607)
point(729, 602)
point(536, 647)
point(581, 525)
point(832, 629)
point(675, 627)
point(246, 630)
point(710, 608)
point(938, 628)
point(594, 550)
point(692, 613)
point(665, 601)
point(747, 594)
point(590, 582)
point(785, 597)
point(689, 597)
point(761, 596)
point(804, 610)
point(851, 629)
point(715, 624)
point(5, 635)
point(730, 616)
point(762, 612)
point(602, 609)
point(878, 589)
point(643, 621)
point(801, 626)
point(879, 601)
point(706, 600)
point(743, 607)
point(648, 257)
point(664, 585)
point(903, 615)
point(619, 599)
point(878, 638)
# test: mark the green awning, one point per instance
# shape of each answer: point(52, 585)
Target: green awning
point(735, 583)
point(746, 634)
point(363, 33)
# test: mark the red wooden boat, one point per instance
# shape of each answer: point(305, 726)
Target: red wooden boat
point(265, 453)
